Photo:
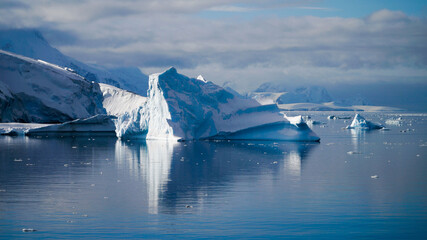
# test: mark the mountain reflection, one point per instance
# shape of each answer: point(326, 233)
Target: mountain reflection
point(180, 174)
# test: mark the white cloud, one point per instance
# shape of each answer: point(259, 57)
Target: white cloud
point(158, 34)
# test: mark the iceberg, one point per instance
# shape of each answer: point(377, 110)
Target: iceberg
point(360, 122)
point(183, 108)
point(117, 101)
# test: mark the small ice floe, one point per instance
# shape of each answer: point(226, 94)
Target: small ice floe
point(394, 122)
point(344, 117)
point(188, 206)
point(29, 230)
point(352, 152)
point(74, 147)
point(374, 176)
point(331, 117)
point(92, 185)
point(65, 165)
point(2, 190)
point(313, 122)
point(17, 160)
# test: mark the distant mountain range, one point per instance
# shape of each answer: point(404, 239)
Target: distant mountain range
point(268, 93)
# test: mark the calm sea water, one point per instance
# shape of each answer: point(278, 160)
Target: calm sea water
point(94, 187)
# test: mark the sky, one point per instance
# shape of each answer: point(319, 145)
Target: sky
point(242, 42)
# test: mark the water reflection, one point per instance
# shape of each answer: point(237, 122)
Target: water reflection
point(359, 139)
point(181, 174)
point(163, 176)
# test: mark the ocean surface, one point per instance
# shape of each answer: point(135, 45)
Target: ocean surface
point(353, 185)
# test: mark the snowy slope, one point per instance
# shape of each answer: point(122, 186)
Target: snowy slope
point(37, 91)
point(118, 101)
point(30, 43)
point(179, 107)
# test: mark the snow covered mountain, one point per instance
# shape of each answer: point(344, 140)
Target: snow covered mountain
point(269, 93)
point(36, 91)
point(185, 108)
point(31, 43)
point(312, 94)
point(271, 87)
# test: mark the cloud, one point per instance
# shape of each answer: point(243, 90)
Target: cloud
point(158, 34)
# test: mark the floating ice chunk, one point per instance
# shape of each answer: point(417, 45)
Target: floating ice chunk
point(351, 153)
point(314, 122)
point(360, 122)
point(394, 122)
point(29, 230)
point(331, 117)
point(374, 176)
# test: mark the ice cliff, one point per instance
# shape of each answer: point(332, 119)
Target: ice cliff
point(37, 91)
point(182, 108)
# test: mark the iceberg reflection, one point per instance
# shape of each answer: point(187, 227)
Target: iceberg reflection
point(149, 162)
point(180, 175)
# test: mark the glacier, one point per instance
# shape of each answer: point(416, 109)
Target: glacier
point(360, 122)
point(183, 108)
point(39, 92)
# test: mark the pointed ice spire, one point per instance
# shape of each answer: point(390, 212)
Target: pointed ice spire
point(200, 77)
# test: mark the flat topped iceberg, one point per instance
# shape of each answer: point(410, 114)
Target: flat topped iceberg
point(183, 108)
point(360, 122)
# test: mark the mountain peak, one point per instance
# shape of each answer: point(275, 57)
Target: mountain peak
point(171, 70)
